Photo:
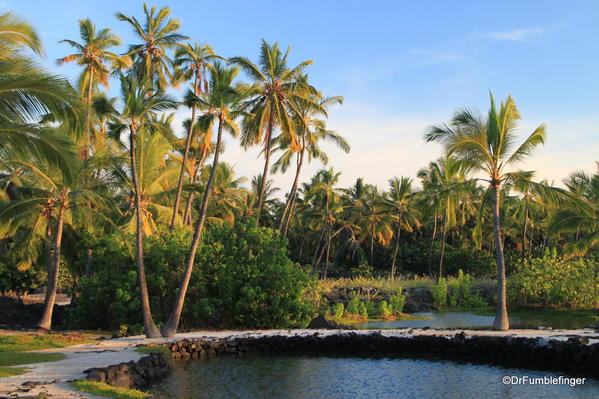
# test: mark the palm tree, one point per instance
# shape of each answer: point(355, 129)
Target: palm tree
point(323, 188)
point(47, 198)
point(222, 103)
point(194, 59)
point(273, 106)
point(28, 94)
point(580, 216)
point(486, 146)
point(158, 34)
point(310, 131)
point(141, 103)
point(447, 182)
point(96, 60)
point(401, 199)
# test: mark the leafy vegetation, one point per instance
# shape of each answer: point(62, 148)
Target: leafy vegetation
point(244, 279)
point(556, 282)
point(95, 185)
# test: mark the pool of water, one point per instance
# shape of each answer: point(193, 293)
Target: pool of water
point(290, 377)
point(474, 321)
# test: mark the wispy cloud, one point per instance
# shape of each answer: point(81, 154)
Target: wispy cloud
point(515, 34)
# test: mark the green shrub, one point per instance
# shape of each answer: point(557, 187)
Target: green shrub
point(439, 292)
point(362, 310)
point(338, 310)
point(554, 281)
point(370, 308)
point(242, 278)
point(397, 302)
point(353, 306)
point(383, 309)
point(13, 280)
point(362, 270)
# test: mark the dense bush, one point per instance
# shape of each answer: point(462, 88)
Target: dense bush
point(13, 280)
point(457, 293)
point(242, 278)
point(553, 281)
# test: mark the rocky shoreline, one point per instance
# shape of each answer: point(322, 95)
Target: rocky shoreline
point(573, 352)
point(575, 355)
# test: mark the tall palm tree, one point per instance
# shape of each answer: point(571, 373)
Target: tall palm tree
point(310, 131)
point(487, 146)
point(222, 103)
point(273, 105)
point(446, 179)
point(48, 200)
point(158, 34)
point(97, 61)
point(141, 103)
point(194, 61)
point(401, 199)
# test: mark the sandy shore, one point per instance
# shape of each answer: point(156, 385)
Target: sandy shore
point(54, 376)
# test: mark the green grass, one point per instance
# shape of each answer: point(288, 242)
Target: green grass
point(384, 284)
point(147, 349)
point(546, 313)
point(11, 371)
point(13, 350)
point(102, 389)
point(17, 358)
point(32, 342)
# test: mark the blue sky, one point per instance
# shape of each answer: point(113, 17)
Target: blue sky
point(401, 66)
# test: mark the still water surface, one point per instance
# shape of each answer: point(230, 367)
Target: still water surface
point(471, 320)
point(291, 377)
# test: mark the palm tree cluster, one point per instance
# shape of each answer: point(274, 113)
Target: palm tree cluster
point(77, 163)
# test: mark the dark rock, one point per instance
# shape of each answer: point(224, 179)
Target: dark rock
point(321, 322)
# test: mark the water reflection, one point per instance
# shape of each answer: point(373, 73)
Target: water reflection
point(291, 377)
point(474, 321)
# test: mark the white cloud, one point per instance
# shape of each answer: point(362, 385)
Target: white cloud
point(515, 34)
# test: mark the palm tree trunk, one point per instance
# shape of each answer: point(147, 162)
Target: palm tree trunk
point(150, 329)
point(318, 248)
point(442, 253)
point(260, 203)
point(396, 252)
point(524, 227)
point(501, 321)
point(192, 179)
point(170, 328)
point(371, 245)
point(430, 247)
point(326, 262)
point(88, 116)
point(289, 204)
point(184, 161)
point(45, 322)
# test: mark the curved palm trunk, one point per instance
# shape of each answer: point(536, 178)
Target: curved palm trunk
point(286, 218)
point(524, 228)
point(501, 321)
point(267, 141)
point(396, 252)
point(185, 155)
point(170, 328)
point(314, 265)
point(430, 247)
point(45, 322)
point(326, 262)
point(150, 329)
point(192, 179)
point(442, 254)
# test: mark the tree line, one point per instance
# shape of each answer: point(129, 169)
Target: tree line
point(78, 163)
